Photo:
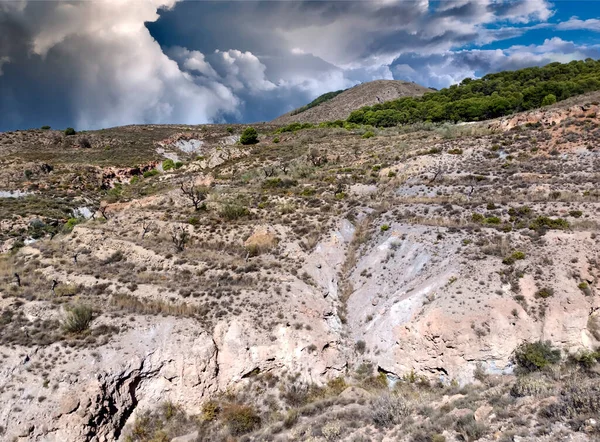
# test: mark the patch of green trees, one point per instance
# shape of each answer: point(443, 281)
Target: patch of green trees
point(494, 95)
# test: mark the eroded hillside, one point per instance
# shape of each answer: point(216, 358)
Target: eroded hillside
point(323, 284)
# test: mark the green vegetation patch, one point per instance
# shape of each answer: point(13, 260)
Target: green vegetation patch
point(317, 101)
point(492, 96)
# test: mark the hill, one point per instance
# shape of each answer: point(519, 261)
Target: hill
point(324, 284)
point(491, 96)
point(338, 105)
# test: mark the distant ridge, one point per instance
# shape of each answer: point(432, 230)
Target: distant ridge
point(342, 103)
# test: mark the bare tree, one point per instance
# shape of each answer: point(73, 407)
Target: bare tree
point(146, 227)
point(54, 284)
point(103, 209)
point(285, 168)
point(438, 172)
point(75, 255)
point(269, 171)
point(195, 194)
point(180, 237)
point(18, 280)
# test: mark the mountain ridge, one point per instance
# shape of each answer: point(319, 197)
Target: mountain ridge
point(364, 94)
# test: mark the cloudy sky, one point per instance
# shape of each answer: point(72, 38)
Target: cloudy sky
point(91, 64)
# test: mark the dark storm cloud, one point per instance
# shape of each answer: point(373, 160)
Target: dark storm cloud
point(111, 62)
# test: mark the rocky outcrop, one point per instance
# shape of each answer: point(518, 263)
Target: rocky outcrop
point(92, 396)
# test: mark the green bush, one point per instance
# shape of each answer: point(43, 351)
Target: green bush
point(150, 173)
point(534, 356)
point(45, 128)
point(249, 136)
point(178, 165)
point(70, 224)
point(168, 165)
point(320, 99)
point(576, 213)
point(585, 288)
point(492, 220)
point(544, 293)
point(515, 256)
point(477, 218)
point(240, 419)
point(368, 134)
point(70, 131)
point(546, 223)
point(233, 211)
point(385, 228)
point(549, 99)
point(293, 127)
point(78, 319)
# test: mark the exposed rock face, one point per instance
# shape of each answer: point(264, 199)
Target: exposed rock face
point(91, 397)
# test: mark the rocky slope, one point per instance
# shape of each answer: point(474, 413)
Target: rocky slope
point(365, 94)
point(318, 273)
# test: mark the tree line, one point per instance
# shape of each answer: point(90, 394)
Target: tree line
point(491, 96)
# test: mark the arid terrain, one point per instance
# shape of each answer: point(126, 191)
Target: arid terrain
point(422, 283)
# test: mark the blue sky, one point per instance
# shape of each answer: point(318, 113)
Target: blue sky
point(92, 64)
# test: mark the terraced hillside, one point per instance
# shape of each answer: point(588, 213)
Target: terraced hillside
point(170, 283)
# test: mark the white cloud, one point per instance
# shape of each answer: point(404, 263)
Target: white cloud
point(119, 74)
point(574, 23)
point(451, 67)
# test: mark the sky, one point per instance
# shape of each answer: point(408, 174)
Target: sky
point(90, 64)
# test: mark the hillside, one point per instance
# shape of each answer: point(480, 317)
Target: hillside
point(166, 283)
point(491, 96)
point(341, 105)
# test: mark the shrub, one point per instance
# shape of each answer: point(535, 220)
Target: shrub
point(585, 288)
point(240, 419)
point(456, 151)
point(84, 143)
point(249, 136)
point(533, 356)
point(168, 164)
point(492, 220)
point(70, 131)
point(45, 128)
point(578, 399)
point(210, 410)
point(543, 222)
point(232, 211)
point(586, 358)
point(544, 293)
point(360, 346)
point(389, 410)
point(368, 134)
point(178, 165)
point(78, 319)
point(549, 99)
point(70, 224)
point(530, 386)
point(469, 428)
point(385, 228)
point(151, 173)
point(576, 213)
point(276, 140)
point(477, 218)
point(515, 256)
